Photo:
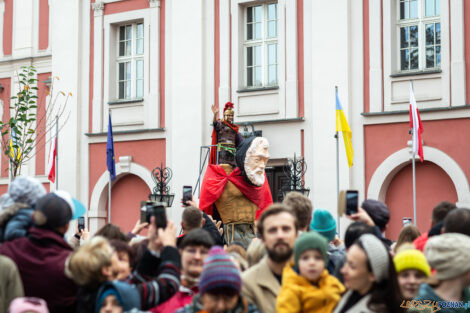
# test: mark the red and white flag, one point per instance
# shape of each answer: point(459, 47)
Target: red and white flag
point(51, 160)
point(415, 125)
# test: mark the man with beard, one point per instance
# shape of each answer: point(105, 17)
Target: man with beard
point(277, 227)
point(240, 195)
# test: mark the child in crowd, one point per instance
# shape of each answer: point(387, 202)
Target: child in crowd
point(412, 269)
point(306, 284)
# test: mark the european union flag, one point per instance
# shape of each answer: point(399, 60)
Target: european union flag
point(110, 151)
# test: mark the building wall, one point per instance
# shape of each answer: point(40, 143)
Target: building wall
point(193, 56)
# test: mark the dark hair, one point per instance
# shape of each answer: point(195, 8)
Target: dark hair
point(120, 246)
point(191, 218)
point(197, 237)
point(385, 296)
point(458, 221)
point(407, 234)
point(275, 209)
point(138, 249)
point(356, 230)
point(441, 210)
point(301, 206)
point(111, 231)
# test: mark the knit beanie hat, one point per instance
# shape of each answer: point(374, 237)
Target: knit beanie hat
point(411, 259)
point(377, 254)
point(449, 255)
point(126, 294)
point(26, 190)
point(219, 272)
point(377, 211)
point(310, 241)
point(324, 223)
point(56, 209)
point(21, 305)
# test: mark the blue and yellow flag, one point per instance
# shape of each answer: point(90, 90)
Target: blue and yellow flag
point(343, 126)
point(14, 148)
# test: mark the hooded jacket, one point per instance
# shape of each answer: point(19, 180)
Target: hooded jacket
point(426, 292)
point(299, 295)
point(41, 258)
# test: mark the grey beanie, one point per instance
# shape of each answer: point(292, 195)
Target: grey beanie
point(26, 190)
point(377, 254)
point(449, 255)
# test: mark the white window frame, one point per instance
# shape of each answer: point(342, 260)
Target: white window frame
point(134, 114)
point(263, 43)
point(261, 104)
point(421, 21)
point(133, 58)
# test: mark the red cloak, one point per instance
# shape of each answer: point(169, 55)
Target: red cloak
point(214, 183)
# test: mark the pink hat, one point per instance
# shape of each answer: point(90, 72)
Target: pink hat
point(20, 305)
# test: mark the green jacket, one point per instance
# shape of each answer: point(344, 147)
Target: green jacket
point(435, 304)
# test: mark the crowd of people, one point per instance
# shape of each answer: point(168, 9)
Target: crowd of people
point(296, 262)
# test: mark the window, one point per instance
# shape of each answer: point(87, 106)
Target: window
point(261, 37)
point(130, 62)
point(419, 33)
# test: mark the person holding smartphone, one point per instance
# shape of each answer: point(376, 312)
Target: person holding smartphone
point(82, 233)
point(376, 214)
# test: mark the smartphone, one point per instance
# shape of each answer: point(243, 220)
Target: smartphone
point(352, 198)
point(81, 223)
point(187, 194)
point(156, 209)
point(407, 221)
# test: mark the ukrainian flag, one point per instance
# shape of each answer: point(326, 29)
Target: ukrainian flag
point(14, 150)
point(343, 126)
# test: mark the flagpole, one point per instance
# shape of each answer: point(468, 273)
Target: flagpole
point(109, 184)
point(337, 170)
point(109, 198)
point(414, 169)
point(57, 152)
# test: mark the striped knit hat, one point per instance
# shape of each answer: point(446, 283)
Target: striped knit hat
point(219, 272)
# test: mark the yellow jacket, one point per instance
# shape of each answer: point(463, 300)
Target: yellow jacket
point(299, 295)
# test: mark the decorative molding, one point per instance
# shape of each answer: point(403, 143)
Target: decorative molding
point(154, 3)
point(386, 171)
point(125, 163)
point(98, 8)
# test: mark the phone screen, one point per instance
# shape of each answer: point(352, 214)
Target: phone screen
point(351, 202)
point(81, 223)
point(187, 194)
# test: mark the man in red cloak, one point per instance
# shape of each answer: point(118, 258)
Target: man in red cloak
point(240, 194)
point(225, 135)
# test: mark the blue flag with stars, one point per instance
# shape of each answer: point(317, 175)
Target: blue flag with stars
point(110, 151)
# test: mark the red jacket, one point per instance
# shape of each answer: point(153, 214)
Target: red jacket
point(40, 258)
point(421, 241)
point(183, 297)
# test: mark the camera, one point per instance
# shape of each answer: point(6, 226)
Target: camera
point(157, 209)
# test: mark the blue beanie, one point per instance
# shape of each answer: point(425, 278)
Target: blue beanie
point(126, 294)
point(324, 223)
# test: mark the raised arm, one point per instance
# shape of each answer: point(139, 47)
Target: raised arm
point(215, 110)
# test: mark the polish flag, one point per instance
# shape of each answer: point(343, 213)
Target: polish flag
point(415, 125)
point(51, 160)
